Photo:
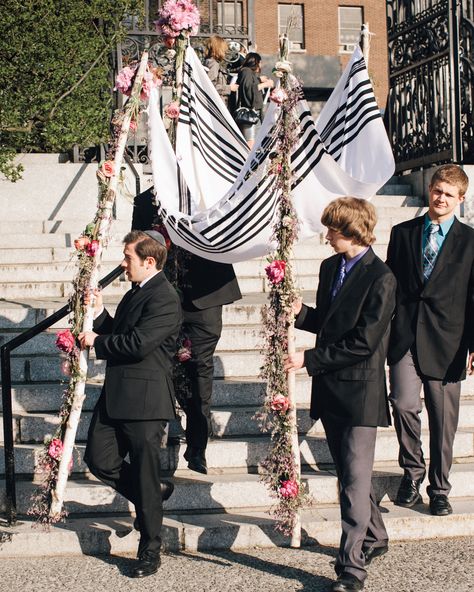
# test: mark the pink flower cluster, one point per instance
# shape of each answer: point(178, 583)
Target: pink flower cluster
point(289, 489)
point(176, 16)
point(55, 451)
point(276, 271)
point(184, 353)
point(124, 82)
point(84, 243)
point(280, 403)
point(279, 95)
point(65, 341)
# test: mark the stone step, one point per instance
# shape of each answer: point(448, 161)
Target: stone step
point(53, 255)
point(227, 421)
point(46, 397)
point(58, 226)
point(197, 494)
point(114, 535)
point(394, 190)
point(246, 453)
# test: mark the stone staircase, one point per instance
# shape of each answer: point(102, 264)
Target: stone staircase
point(227, 508)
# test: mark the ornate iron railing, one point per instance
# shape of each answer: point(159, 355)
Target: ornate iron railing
point(431, 96)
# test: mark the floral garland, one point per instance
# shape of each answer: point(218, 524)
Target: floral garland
point(86, 247)
point(279, 468)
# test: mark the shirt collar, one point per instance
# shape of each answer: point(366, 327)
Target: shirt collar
point(443, 227)
point(148, 279)
point(350, 264)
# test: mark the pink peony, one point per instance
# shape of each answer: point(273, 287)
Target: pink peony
point(148, 83)
point(108, 168)
point(55, 449)
point(289, 489)
point(65, 341)
point(176, 16)
point(92, 248)
point(81, 243)
point(276, 271)
point(279, 95)
point(280, 403)
point(123, 81)
point(172, 110)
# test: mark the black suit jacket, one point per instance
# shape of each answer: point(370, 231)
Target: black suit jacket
point(437, 317)
point(205, 283)
point(347, 364)
point(139, 345)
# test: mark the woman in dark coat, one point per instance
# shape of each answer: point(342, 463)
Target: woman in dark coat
point(250, 85)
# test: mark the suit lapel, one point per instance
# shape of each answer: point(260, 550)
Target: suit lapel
point(444, 255)
point(416, 249)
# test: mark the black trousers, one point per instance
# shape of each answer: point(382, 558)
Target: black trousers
point(109, 442)
point(203, 327)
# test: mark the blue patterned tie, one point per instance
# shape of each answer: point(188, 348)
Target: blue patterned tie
point(430, 252)
point(341, 276)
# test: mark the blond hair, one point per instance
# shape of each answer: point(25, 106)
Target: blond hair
point(452, 174)
point(353, 217)
point(216, 48)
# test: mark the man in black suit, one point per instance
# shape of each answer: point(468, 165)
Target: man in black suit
point(354, 305)
point(137, 398)
point(432, 258)
point(205, 287)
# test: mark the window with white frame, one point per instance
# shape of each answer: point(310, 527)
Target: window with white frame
point(350, 23)
point(291, 22)
point(229, 15)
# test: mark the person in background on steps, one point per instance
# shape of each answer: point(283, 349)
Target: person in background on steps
point(354, 306)
point(214, 62)
point(432, 257)
point(137, 398)
point(205, 287)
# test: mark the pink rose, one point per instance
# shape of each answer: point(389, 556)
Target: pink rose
point(133, 125)
point(280, 403)
point(172, 110)
point(55, 449)
point(108, 168)
point(184, 354)
point(169, 42)
point(276, 271)
point(278, 96)
point(289, 489)
point(81, 243)
point(65, 341)
point(92, 248)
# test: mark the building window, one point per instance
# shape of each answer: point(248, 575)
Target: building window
point(291, 22)
point(350, 23)
point(229, 16)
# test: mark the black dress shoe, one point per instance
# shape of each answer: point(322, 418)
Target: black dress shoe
point(167, 488)
point(440, 506)
point(196, 459)
point(408, 494)
point(346, 582)
point(147, 564)
point(374, 552)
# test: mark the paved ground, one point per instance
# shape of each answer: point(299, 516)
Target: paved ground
point(434, 566)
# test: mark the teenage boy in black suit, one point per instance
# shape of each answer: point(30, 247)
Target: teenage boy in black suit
point(432, 257)
point(354, 305)
point(137, 398)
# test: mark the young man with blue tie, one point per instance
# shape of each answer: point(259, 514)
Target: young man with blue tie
point(432, 258)
point(354, 306)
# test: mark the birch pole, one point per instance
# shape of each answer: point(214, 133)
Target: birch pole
point(105, 206)
point(295, 541)
point(365, 42)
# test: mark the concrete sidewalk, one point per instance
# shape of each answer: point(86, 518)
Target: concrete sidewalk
point(433, 566)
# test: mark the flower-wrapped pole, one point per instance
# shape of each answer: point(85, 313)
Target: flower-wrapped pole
point(102, 232)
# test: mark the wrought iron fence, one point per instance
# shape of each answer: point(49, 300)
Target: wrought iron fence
point(431, 96)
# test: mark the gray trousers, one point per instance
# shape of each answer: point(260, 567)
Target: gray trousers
point(352, 449)
point(442, 406)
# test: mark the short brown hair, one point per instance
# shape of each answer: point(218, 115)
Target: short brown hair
point(353, 217)
point(216, 48)
point(145, 246)
point(452, 174)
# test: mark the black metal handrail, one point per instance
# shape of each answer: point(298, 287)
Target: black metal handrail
point(5, 351)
